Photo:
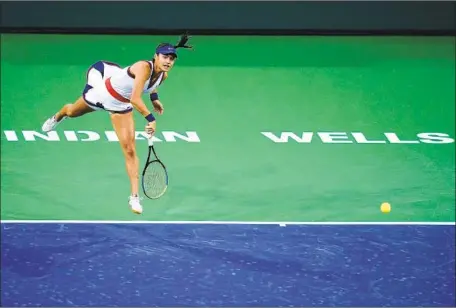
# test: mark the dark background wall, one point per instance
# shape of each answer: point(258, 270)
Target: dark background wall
point(203, 17)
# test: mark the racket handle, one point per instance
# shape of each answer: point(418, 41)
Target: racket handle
point(150, 140)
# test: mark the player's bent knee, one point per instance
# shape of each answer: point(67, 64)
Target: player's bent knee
point(70, 112)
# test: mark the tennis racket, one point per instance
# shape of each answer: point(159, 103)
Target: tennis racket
point(154, 175)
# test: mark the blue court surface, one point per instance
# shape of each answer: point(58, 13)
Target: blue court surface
point(125, 264)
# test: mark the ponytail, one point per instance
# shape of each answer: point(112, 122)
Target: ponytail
point(182, 41)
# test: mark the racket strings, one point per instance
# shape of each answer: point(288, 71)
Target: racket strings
point(155, 180)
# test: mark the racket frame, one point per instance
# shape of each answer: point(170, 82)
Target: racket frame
point(149, 162)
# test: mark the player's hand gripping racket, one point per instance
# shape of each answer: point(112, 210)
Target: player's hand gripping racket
point(154, 176)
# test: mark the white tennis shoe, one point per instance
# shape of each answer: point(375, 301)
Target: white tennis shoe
point(51, 124)
point(135, 205)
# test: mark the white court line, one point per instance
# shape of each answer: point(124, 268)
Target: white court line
point(194, 222)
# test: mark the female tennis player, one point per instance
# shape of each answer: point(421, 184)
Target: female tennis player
point(118, 90)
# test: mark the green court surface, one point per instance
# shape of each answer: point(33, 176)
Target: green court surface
point(234, 96)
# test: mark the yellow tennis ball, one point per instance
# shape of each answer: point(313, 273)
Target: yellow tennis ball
point(385, 207)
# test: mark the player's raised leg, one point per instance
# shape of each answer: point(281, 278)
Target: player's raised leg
point(74, 110)
point(94, 77)
point(125, 129)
